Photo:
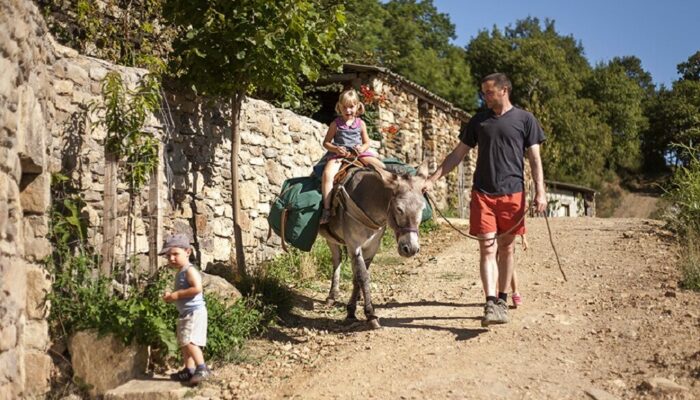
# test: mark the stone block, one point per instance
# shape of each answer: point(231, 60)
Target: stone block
point(68, 69)
point(35, 196)
point(38, 286)
point(36, 335)
point(220, 287)
point(221, 248)
point(37, 367)
point(8, 336)
point(294, 123)
point(249, 194)
point(98, 73)
point(9, 72)
point(150, 389)
point(222, 227)
point(105, 362)
point(263, 124)
point(12, 368)
point(37, 249)
point(63, 86)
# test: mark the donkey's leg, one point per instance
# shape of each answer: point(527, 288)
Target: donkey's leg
point(335, 280)
point(352, 303)
point(361, 276)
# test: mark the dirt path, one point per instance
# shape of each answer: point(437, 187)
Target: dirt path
point(636, 205)
point(618, 323)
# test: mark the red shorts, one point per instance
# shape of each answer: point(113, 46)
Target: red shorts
point(488, 214)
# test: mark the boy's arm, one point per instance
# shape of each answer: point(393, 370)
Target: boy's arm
point(195, 281)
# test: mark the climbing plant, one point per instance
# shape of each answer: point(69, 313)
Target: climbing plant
point(124, 114)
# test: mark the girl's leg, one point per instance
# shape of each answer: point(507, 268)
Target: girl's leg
point(332, 167)
point(373, 161)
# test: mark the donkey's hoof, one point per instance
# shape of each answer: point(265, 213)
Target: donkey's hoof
point(374, 323)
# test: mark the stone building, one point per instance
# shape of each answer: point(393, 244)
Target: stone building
point(426, 125)
point(568, 200)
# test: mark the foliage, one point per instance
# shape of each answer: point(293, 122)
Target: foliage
point(674, 117)
point(127, 32)
point(124, 114)
point(618, 103)
point(690, 262)
point(226, 47)
point(81, 300)
point(684, 192)
point(413, 39)
point(230, 325)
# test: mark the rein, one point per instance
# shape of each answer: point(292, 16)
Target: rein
point(493, 239)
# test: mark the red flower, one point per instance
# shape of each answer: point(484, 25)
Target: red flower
point(367, 94)
point(390, 130)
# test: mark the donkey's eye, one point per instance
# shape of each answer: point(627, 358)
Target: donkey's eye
point(399, 210)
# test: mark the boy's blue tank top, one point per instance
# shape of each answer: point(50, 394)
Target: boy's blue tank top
point(190, 304)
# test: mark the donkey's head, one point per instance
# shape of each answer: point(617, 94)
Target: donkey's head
point(406, 208)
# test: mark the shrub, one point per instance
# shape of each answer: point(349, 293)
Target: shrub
point(81, 299)
point(683, 194)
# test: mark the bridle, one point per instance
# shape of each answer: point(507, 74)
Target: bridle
point(398, 230)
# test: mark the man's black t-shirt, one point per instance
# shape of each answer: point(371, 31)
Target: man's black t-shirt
point(501, 142)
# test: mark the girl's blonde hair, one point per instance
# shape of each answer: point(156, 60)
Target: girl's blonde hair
point(349, 96)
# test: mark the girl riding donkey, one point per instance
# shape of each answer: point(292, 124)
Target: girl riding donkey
point(346, 138)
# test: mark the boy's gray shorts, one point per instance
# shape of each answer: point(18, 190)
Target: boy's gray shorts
point(192, 328)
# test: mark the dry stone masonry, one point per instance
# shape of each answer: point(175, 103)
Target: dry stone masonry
point(26, 120)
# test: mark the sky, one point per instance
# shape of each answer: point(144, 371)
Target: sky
point(661, 33)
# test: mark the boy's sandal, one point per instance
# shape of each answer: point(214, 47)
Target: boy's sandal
point(183, 375)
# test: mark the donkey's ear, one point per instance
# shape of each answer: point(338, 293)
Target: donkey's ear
point(423, 170)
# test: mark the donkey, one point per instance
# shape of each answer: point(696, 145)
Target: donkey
point(376, 198)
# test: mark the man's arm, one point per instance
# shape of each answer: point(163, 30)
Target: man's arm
point(533, 155)
point(448, 164)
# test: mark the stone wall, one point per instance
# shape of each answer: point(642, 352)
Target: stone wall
point(195, 170)
point(276, 144)
point(26, 115)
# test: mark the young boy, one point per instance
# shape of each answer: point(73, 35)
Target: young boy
point(189, 299)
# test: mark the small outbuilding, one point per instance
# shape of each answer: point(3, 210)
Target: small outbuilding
point(569, 200)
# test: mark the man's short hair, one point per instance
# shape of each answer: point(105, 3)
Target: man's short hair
point(500, 80)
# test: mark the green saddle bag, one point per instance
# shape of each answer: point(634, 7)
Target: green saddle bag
point(299, 207)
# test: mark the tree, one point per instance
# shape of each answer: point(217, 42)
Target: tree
point(618, 101)
point(412, 39)
point(690, 70)
point(229, 48)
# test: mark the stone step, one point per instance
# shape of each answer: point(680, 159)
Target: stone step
point(155, 388)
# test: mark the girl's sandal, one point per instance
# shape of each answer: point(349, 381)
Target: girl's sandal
point(517, 299)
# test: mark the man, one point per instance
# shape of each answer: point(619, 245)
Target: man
point(502, 134)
